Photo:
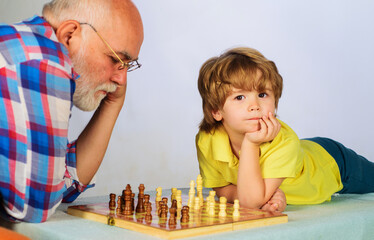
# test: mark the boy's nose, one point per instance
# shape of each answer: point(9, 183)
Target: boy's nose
point(254, 108)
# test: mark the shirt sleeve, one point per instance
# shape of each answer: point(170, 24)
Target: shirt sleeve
point(209, 169)
point(73, 186)
point(280, 157)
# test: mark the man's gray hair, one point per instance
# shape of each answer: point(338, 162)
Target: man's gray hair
point(92, 11)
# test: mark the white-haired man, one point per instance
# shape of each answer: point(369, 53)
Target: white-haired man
point(78, 53)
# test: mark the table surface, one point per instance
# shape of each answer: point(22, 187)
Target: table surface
point(346, 216)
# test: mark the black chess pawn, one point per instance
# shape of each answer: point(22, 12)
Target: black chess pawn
point(112, 201)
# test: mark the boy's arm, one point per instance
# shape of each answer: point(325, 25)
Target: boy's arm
point(277, 202)
point(253, 190)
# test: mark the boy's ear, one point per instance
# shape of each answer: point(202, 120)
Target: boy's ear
point(69, 33)
point(217, 115)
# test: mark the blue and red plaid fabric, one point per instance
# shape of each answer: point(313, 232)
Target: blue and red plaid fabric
point(37, 164)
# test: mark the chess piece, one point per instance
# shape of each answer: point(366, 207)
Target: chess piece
point(141, 189)
point(197, 204)
point(207, 203)
point(164, 213)
point(173, 194)
point(174, 204)
point(185, 214)
point(191, 194)
point(148, 214)
point(158, 196)
point(112, 201)
point(123, 198)
point(140, 205)
point(119, 205)
point(199, 188)
point(146, 199)
point(127, 208)
point(132, 201)
point(236, 213)
point(159, 204)
point(179, 199)
point(212, 194)
point(172, 218)
point(222, 207)
point(212, 210)
point(165, 200)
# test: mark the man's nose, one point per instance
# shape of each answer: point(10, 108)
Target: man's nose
point(120, 77)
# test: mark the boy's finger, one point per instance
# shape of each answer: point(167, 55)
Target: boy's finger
point(264, 128)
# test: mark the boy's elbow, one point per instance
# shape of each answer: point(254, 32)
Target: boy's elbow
point(248, 202)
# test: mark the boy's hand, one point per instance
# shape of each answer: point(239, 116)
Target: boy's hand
point(276, 203)
point(269, 128)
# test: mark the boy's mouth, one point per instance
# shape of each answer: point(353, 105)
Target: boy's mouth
point(255, 119)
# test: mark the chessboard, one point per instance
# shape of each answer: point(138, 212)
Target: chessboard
point(200, 221)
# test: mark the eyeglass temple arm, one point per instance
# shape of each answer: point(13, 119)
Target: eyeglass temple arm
point(106, 43)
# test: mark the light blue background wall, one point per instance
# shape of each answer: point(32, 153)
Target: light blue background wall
point(323, 49)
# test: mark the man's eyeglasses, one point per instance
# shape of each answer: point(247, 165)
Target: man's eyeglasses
point(131, 66)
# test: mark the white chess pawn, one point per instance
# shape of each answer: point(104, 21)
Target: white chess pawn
point(222, 207)
point(212, 195)
point(212, 210)
point(236, 213)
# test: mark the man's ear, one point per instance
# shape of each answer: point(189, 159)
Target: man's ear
point(217, 115)
point(69, 33)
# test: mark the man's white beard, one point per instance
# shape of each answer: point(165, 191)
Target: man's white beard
point(86, 85)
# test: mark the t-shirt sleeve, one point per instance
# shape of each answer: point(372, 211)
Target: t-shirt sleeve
point(280, 157)
point(209, 169)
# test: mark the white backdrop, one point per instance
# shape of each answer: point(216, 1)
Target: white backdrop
point(323, 49)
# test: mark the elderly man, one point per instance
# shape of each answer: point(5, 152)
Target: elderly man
point(78, 53)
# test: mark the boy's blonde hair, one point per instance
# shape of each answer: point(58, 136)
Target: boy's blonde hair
point(237, 67)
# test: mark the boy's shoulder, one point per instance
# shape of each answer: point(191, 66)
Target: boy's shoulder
point(216, 135)
point(214, 141)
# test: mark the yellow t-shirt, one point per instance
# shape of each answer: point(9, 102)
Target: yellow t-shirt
point(311, 173)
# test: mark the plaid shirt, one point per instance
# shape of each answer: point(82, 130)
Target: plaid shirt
point(37, 164)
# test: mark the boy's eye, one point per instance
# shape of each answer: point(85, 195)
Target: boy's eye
point(240, 97)
point(262, 95)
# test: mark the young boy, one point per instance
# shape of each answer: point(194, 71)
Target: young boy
point(246, 153)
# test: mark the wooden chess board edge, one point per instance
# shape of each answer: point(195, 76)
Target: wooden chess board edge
point(158, 232)
point(88, 215)
point(178, 233)
point(260, 222)
point(198, 231)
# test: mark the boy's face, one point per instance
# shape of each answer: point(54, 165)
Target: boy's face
point(243, 109)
